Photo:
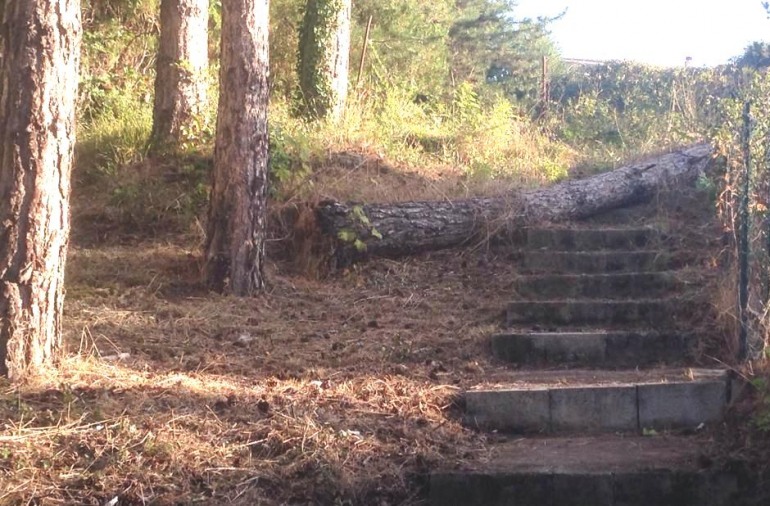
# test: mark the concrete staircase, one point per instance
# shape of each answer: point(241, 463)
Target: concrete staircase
point(600, 407)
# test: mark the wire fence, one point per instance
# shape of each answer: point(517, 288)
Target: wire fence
point(750, 176)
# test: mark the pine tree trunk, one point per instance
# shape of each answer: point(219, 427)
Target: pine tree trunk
point(235, 245)
point(180, 81)
point(324, 58)
point(359, 231)
point(41, 52)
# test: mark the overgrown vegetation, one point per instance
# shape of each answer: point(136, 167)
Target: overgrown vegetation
point(449, 93)
point(743, 137)
point(431, 81)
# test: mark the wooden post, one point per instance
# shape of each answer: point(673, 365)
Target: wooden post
point(363, 51)
point(545, 88)
point(743, 237)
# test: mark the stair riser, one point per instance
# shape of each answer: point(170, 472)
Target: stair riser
point(594, 262)
point(618, 286)
point(592, 239)
point(650, 313)
point(598, 409)
point(634, 488)
point(612, 350)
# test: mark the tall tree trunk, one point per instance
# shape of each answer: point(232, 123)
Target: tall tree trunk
point(180, 81)
point(235, 245)
point(41, 53)
point(324, 58)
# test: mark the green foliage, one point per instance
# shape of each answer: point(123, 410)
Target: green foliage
point(115, 105)
point(728, 123)
point(707, 186)
point(756, 56)
point(485, 138)
point(156, 197)
point(445, 84)
point(285, 20)
point(613, 110)
point(491, 140)
point(317, 95)
point(197, 134)
point(409, 55)
point(116, 138)
point(97, 11)
point(761, 418)
point(408, 44)
point(289, 156)
point(215, 22)
point(346, 235)
point(489, 45)
point(728, 111)
point(292, 149)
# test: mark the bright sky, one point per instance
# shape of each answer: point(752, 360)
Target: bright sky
point(659, 32)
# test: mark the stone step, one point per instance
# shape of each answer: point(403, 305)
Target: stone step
point(590, 239)
point(653, 313)
point(609, 349)
point(594, 261)
point(596, 286)
point(598, 401)
point(585, 471)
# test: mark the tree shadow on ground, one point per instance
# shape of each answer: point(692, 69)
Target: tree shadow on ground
point(100, 430)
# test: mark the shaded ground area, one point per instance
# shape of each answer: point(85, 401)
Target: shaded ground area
point(426, 317)
point(599, 454)
point(319, 391)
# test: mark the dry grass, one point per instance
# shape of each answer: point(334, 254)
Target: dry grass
point(158, 197)
point(389, 148)
point(365, 177)
point(334, 392)
point(106, 430)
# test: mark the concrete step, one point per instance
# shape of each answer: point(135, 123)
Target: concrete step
point(594, 261)
point(598, 401)
point(596, 286)
point(653, 313)
point(609, 349)
point(585, 471)
point(591, 239)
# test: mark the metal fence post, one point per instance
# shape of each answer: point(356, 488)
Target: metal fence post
point(743, 242)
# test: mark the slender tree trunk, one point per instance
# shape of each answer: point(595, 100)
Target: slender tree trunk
point(324, 58)
point(41, 53)
point(235, 245)
point(180, 81)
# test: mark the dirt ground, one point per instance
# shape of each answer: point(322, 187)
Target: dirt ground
point(339, 391)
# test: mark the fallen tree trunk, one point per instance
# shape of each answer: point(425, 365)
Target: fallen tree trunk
point(397, 229)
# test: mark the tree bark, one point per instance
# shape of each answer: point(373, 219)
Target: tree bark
point(358, 231)
point(180, 80)
point(235, 245)
point(324, 58)
point(41, 53)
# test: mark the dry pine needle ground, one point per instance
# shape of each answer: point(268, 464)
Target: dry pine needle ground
point(340, 391)
point(328, 392)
